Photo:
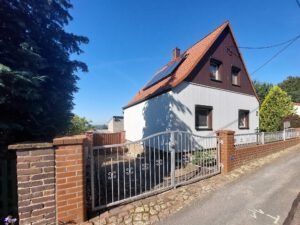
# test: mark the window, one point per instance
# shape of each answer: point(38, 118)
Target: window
point(214, 70)
point(235, 76)
point(243, 119)
point(203, 117)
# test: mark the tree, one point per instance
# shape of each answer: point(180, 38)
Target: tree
point(291, 85)
point(275, 107)
point(262, 89)
point(37, 76)
point(79, 125)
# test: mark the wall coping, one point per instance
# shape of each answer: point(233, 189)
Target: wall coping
point(70, 140)
point(32, 146)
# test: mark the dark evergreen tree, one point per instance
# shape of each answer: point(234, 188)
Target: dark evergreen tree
point(262, 89)
point(291, 85)
point(37, 76)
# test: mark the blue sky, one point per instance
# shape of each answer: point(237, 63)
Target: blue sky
point(130, 40)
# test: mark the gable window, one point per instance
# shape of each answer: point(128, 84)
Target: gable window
point(203, 117)
point(214, 70)
point(235, 76)
point(243, 119)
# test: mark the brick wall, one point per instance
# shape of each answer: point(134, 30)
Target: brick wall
point(244, 155)
point(227, 149)
point(70, 177)
point(36, 183)
point(232, 158)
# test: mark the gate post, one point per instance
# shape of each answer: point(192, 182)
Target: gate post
point(227, 149)
point(172, 149)
point(70, 178)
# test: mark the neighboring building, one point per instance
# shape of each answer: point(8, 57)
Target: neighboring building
point(204, 89)
point(116, 124)
point(297, 108)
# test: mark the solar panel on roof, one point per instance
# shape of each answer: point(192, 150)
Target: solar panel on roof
point(164, 73)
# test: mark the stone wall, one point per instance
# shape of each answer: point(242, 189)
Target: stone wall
point(36, 183)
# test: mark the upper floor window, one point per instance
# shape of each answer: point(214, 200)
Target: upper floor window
point(203, 117)
point(214, 70)
point(235, 76)
point(243, 119)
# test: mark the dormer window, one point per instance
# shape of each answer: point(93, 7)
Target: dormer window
point(214, 70)
point(235, 76)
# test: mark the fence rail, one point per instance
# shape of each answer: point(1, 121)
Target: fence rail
point(125, 172)
point(246, 140)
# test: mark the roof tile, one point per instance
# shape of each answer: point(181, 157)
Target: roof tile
point(194, 55)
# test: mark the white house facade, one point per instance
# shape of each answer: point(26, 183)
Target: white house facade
point(297, 108)
point(205, 89)
point(176, 110)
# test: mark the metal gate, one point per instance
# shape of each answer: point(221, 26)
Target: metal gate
point(126, 172)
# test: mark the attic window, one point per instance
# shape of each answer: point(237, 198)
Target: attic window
point(214, 70)
point(235, 76)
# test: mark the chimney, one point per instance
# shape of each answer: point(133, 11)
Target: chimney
point(176, 53)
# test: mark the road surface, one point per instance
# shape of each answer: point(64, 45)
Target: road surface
point(261, 198)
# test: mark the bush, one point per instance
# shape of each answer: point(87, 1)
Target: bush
point(204, 158)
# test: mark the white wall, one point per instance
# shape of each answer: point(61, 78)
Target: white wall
point(115, 125)
point(225, 107)
point(175, 110)
point(134, 122)
point(297, 108)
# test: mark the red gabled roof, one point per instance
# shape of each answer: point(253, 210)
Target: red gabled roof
point(297, 103)
point(193, 55)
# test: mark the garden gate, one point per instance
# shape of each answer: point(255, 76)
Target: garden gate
point(133, 170)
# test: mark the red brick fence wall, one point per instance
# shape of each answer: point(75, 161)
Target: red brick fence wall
point(51, 181)
point(232, 158)
point(51, 176)
point(35, 183)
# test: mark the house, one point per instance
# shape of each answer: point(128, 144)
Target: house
point(202, 90)
point(116, 124)
point(297, 108)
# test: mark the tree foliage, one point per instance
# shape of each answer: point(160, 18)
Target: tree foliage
point(262, 89)
point(275, 107)
point(291, 85)
point(79, 125)
point(37, 76)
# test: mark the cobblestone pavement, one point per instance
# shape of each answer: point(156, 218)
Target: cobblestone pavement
point(153, 209)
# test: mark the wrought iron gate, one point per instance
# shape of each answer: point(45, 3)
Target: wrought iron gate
point(125, 172)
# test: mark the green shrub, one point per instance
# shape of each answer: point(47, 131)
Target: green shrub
point(204, 158)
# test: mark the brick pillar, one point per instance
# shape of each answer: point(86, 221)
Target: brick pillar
point(35, 183)
point(70, 178)
point(227, 150)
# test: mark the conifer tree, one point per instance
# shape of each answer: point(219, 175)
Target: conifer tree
point(276, 106)
point(37, 76)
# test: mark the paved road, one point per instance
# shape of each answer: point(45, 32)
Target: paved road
point(262, 198)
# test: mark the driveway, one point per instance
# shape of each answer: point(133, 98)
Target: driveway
point(262, 198)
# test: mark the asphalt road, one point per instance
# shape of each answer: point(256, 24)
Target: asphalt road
point(262, 198)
